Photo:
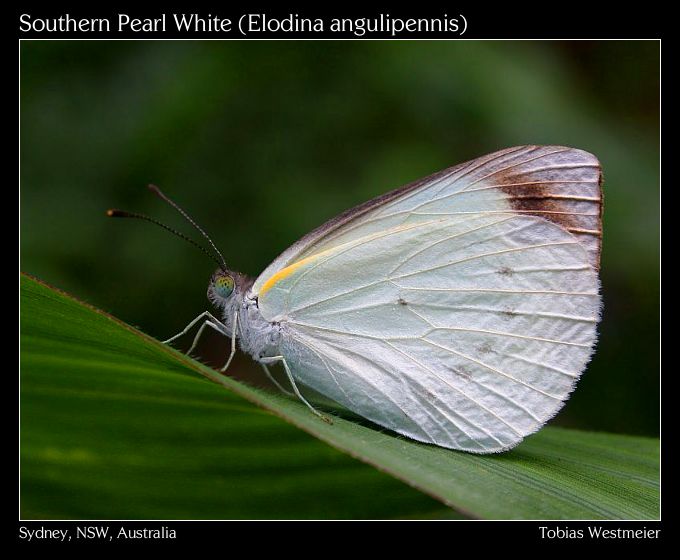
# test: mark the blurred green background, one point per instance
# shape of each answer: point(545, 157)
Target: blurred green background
point(262, 141)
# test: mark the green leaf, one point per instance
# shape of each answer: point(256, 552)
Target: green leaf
point(115, 424)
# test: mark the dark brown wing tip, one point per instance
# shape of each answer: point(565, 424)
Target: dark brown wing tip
point(562, 185)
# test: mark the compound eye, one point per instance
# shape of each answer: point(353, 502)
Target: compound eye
point(224, 286)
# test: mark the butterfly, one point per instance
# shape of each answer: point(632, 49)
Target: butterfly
point(458, 310)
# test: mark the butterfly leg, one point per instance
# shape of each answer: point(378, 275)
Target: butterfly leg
point(233, 343)
point(275, 382)
point(275, 359)
point(219, 327)
point(190, 325)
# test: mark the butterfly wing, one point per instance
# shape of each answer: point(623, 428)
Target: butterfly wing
point(557, 183)
point(454, 312)
point(467, 333)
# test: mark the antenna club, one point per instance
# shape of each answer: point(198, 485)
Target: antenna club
point(114, 213)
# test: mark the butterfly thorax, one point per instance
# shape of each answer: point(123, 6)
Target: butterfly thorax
point(256, 335)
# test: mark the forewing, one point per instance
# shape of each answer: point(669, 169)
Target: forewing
point(468, 332)
point(556, 183)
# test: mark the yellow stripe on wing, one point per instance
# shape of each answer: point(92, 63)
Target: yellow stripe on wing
point(285, 272)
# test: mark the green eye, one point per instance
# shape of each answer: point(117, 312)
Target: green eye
point(224, 286)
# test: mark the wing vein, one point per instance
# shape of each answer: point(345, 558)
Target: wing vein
point(484, 255)
point(504, 311)
point(449, 238)
point(468, 397)
point(499, 372)
point(496, 157)
point(517, 164)
point(537, 183)
point(405, 412)
point(492, 290)
point(510, 335)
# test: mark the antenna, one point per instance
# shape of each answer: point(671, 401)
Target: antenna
point(114, 213)
point(159, 193)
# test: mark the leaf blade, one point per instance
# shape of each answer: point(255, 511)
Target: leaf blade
point(555, 474)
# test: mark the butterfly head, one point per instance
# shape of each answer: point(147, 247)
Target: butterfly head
point(226, 288)
point(221, 287)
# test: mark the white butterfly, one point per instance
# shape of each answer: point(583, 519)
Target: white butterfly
point(459, 310)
